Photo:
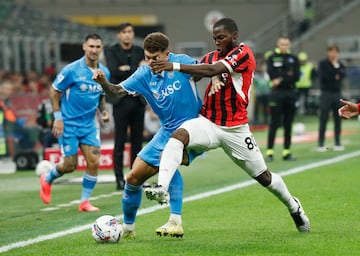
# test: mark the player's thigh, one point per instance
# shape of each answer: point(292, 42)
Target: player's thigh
point(202, 134)
point(240, 145)
point(91, 155)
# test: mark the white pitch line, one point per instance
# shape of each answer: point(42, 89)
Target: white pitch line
point(187, 199)
point(76, 202)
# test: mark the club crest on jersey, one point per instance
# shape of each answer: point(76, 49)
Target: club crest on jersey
point(170, 74)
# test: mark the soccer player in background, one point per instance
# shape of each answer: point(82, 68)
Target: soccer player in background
point(75, 120)
point(174, 98)
point(223, 121)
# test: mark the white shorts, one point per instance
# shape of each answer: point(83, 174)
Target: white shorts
point(237, 142)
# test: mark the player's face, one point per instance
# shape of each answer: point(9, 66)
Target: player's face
point(92, 49)
point(151, 56)
point(126, 36)
point(224, 40)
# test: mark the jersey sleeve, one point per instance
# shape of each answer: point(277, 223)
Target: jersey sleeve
point(134, 83)
point(237, 60)
point(62, 80)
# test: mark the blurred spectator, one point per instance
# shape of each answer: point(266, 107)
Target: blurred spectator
point(31, 82)
point(45, 120)
point(262, 90)
point(303, 85)
point(12, 126)
point(308, 17)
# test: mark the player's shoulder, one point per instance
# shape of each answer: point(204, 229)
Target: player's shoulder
point(181, 58)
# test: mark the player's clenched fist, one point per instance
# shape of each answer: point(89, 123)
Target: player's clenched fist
point(99, 77)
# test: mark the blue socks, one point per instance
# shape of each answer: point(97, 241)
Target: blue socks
point(176, 188)
point(52, 175)
point(132, 196)
point(88, 186)
point(131, 201)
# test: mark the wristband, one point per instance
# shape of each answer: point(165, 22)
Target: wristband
point(176, 66)
point(57, 115)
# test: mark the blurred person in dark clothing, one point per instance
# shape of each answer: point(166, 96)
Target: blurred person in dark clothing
point(122, 60)
point(284, 70)
point(331, 75)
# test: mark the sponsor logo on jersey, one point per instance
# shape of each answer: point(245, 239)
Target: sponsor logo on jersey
point(167, 90)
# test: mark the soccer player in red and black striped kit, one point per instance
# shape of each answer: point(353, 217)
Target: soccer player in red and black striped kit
point(223, 121)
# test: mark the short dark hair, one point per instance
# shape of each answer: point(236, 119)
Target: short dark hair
point(155, 42)
point(333, 47)
point(93, 36)
point(124, 25)
point(229, 24)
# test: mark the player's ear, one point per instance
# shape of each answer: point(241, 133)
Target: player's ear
point(235, 35)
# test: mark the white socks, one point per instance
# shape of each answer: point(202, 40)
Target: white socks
point(176, 218)
point(280, 190)
point(170, 160)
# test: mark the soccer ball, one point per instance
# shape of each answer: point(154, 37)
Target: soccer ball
point(299, 129)
point(44, 166)
point(107, 229)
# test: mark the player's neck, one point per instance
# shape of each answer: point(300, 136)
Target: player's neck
point(92, 64)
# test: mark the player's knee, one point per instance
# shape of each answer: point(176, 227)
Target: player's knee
point(135, 179)
point(182, 135)
point(264, 178)
point(68, 167)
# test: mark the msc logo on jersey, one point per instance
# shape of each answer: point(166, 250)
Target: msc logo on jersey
point(167, 91)
point(90, 88)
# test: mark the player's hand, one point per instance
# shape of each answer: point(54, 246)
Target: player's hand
point(99, 77)
point(157, 66)
point(216, 85)
point(105, 116)
point(58, 128)
point(348, 110)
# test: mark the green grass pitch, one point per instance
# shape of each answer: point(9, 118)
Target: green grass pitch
point(244, 221)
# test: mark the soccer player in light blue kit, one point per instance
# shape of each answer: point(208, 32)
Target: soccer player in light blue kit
point(174, 98)
point(75, 120)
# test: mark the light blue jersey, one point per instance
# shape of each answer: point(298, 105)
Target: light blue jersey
point(173, 96)
point(79, 103)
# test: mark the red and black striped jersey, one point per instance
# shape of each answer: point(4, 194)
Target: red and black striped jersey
point(228, 106)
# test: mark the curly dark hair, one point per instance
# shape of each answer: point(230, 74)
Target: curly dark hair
point(155, 42)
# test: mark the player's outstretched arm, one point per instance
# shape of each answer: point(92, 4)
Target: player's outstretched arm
point(112, 90)
point(348, 110)
point(202, 70)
